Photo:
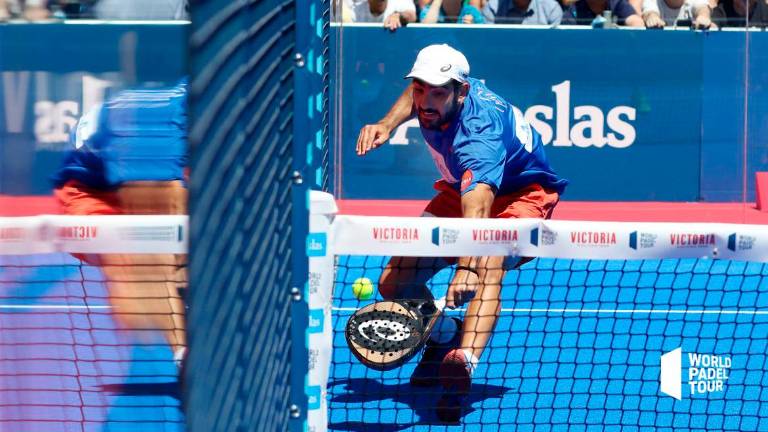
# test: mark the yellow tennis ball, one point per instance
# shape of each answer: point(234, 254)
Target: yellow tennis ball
point(362, 288)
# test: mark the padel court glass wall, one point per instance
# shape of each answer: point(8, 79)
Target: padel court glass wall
point(662, 126)
point(66, 363)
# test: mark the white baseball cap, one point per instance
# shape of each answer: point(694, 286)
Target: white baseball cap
point(438, 64)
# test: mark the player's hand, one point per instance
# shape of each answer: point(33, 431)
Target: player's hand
point(462, 288)
point(468, 19)
point(372, 136)
point(393, 22)
point(702, 23)
point(36, 13)
point(653, 20)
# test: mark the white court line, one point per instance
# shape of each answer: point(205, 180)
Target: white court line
point(63, 307)
point(615, 311)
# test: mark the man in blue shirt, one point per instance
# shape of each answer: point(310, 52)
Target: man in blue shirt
point(493, 165)
point(128, 156)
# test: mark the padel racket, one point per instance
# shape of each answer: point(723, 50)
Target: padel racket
point(386, 334)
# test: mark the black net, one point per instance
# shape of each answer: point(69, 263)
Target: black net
point(578, 345)
point(89, 344)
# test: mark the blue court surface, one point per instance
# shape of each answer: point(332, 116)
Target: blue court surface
point(64, 363)
point(578, 346)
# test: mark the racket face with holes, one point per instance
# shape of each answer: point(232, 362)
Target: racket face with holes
point(386, 334)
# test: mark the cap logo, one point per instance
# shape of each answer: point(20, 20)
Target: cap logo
point(445, 68)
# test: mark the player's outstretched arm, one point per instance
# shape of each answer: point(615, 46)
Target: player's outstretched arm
point(474, 204)
point(374, 135)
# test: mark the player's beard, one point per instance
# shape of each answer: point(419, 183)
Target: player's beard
point(438, 122)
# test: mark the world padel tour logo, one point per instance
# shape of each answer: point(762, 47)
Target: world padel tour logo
point(705, 373)
point(641, 240)
point(444, 236)
point(738, 242)
point(395, 234)
point(543, 237)
point(494, 236)
point(692, 240)
point(80, 232)
point(593, 238)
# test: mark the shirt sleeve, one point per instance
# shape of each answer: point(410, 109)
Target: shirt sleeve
point(87, 127)
point(399, 6)
point(623, 9)
point(555, 13)
point(651, 6)
point(480, 152)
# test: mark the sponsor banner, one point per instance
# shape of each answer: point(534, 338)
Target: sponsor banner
point(603, 131)
point(361, 235)
point(24, 235)
point(744, 241)
point(316, 244)
point(386, 236)
point(93, 234)
point(118, 234)
point(317, 294)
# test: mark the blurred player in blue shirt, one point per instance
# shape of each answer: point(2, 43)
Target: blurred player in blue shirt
point(493, 165)
point(128, 156)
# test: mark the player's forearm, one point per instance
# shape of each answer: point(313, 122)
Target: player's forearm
point(476, 204)
point(401, 111)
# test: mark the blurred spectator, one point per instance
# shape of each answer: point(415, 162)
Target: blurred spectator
point(142, 10)
point(488, 9)
point(583, 12)
point(72, 9)
point(454, 11)
point(32, 10)
point(733, 13)
point(393, 13)
point(658, 13)
point(529, 12)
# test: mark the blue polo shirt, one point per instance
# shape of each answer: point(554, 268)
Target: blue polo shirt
point(137, 135)
point(490, 142)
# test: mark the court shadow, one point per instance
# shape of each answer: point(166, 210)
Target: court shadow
point(356, 426)
point(170, 388)
point(421, 401)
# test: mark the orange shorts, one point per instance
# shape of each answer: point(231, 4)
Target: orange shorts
point(78, 199)
point(532, 201)
point(138, 198)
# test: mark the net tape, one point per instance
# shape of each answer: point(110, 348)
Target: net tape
point(443, 237)
point(166, 234)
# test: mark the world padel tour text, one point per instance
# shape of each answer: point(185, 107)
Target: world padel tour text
point(707, 372)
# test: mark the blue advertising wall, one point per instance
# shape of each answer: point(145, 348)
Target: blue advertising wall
point(53, 73)
point(625, 115)
point(680, 93)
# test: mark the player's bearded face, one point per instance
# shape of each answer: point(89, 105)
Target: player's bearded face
point(435, 106)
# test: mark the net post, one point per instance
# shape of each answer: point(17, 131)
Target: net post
point(319, 295)
point(310, 171)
